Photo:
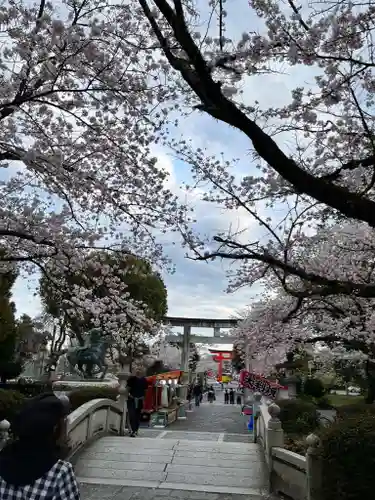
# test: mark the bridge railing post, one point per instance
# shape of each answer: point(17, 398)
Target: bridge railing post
point(274, 438)
point(4, 433)
point(256, 408)
point(313, 468)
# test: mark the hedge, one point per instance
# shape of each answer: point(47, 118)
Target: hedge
point(61, 387)
point(354, 410)
point(348, 459)
point(10, 403)
point(313, 387)
point(80, 396)
point(28, 389)
point(298, 417)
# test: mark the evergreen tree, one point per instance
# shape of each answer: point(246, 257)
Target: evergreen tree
point(10, 363)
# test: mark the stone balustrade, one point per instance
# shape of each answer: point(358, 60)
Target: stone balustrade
point(91, 421)
point(290, 474)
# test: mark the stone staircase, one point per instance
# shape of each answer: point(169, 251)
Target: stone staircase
point(175, 464)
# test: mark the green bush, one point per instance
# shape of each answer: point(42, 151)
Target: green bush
point(348, 459)
point(10, 403)
point(80, 396)
point(313, 387)
point(323, 403)
point(298, 417)
point(354, 410)
point(296, 444)
point(61, 387)
point(26, 388)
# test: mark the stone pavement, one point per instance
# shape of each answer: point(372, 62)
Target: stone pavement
point(209, 456)
point(214, 417)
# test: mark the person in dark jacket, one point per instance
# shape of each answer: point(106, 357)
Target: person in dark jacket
point(32, 466)
point(231, 396)
point(198, 394)
point(137, 386)
point(211, 395)
point(226, 397)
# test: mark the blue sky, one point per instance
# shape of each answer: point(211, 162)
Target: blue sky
point(197, 289)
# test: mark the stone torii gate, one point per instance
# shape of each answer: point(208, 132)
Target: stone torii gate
point(187, 338)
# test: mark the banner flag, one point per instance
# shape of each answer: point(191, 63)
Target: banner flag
point(256, 383)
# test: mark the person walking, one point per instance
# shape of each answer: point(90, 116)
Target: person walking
point(231, 396)
point(211, 395)
point(198, 394)
point(137, 386)
point(226, 397)
point(32, 466)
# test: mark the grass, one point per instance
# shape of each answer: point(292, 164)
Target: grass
point(337, 400)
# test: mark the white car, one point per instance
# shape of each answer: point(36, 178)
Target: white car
point(354, 390)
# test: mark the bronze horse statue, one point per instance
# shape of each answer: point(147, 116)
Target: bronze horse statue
point(83, 359)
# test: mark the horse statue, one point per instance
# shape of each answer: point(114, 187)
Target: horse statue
point(83, 359)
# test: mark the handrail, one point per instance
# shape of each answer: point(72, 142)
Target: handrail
point(80, 413)
point(92, 420)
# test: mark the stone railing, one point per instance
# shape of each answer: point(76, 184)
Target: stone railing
point(96, 418)
point(290, 474)
point(91, 421)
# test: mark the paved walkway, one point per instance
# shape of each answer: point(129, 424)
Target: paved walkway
point(209, 456)
point(214, 417)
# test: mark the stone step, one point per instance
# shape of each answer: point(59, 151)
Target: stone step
point(92, 489)
point(181, 464)
point(253, 470)
point(187, 458)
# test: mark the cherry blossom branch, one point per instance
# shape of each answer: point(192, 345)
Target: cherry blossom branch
point(327, 286)
point(296, 11)
point(196, 74)
point(369, 161)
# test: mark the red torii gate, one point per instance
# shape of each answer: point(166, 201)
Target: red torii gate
point(220, 355)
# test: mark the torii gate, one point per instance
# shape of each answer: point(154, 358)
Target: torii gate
point(220, 357)
point(187, 338)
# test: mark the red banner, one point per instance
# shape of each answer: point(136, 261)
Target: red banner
point(256, 383)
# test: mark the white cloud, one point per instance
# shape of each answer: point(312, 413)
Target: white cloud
point(165, 163)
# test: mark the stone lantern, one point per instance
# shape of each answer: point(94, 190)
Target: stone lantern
point(291, 379)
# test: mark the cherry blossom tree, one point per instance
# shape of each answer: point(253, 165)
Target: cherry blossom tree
point(298, 312)
point(80, 105)
point(317, 262)
point(329, 175)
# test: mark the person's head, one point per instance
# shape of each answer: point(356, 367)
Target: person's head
point(138, 372)
point(42, 419)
